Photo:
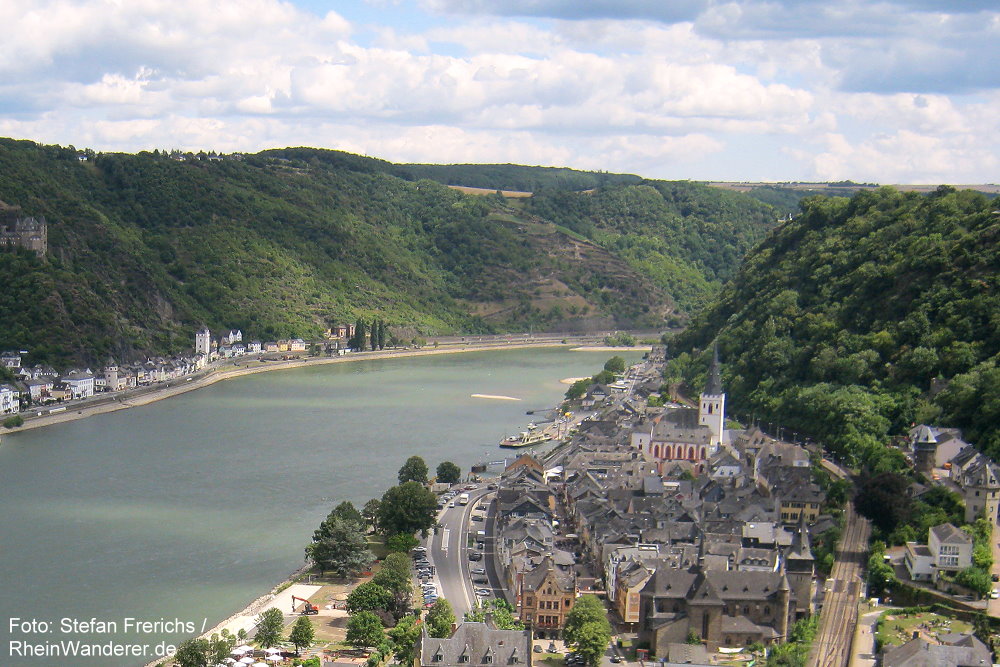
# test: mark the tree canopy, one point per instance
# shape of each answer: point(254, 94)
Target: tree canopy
point(269, 626)
point(448, 473)
point(340, 546)
point(364, 630)
point(414, 470)
point(407, 508)
point(440, 617)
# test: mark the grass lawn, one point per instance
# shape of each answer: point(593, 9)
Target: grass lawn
point(896, 629)
point(550, 659)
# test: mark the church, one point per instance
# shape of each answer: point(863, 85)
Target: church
point(687, 433)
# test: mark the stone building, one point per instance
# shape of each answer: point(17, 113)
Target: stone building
point(18, 231)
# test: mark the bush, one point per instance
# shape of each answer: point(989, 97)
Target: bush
point(13, 422)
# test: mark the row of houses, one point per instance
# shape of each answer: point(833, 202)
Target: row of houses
point(688, 528)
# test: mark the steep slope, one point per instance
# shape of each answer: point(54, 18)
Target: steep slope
point(686, 237)
point(836, 325)
point(144, 248)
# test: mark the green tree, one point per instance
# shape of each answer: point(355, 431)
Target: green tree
point(401, 543)
point(302, 634)
point(404, 639)
point(883, 499)
point(448, 473)
point(373, 336)
point(347, 511)
point(394, 576)
point(975, 578)
point(414, 470)
point(370, 513)
point(440, 618)
point(578, 389)
point(364, 629)
point(193, 653)
point(359, 342)
point(615, 365)
point(269, 625)
point(407, 508)
point(591, 640)
point(368, 596)
point(692, 638)
point(586, 608)
point(220, 646)
point(342, 548)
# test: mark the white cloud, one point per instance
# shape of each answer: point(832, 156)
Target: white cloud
point(601, 93)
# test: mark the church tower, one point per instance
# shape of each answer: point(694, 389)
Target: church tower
point(712, 405)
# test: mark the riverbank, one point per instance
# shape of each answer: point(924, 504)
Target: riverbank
point(242, 367)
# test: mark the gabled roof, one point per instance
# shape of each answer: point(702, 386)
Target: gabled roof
point(476, 644)
point(949, 534)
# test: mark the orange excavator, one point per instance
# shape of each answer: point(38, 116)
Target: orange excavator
point(309, 608)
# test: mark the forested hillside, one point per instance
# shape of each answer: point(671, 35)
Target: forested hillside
point(145, 248)
point(686, 237)
point(838, 323)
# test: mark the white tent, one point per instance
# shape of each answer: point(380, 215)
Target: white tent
point(240, 650)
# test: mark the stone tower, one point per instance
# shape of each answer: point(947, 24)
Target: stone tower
point(924, 449)
point(203, 342)
point(712, 403)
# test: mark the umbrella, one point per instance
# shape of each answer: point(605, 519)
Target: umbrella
point(241, 649)
point(247, 660)
point(260, 664)
point(271, 649)
point(274, 657)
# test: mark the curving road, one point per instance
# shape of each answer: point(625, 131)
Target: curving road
point(448, 551)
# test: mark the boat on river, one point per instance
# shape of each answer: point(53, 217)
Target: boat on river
point(525, 439)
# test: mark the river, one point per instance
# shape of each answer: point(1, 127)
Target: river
point(189, 508)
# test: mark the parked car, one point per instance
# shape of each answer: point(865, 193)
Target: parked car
point(478, 570)
point(483, 592)
point(475, 555)
point(478, 517)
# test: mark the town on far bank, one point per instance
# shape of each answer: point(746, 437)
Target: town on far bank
point(30, 391)
point(656, 530)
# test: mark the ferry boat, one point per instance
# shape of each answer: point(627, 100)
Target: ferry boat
point(525, 439)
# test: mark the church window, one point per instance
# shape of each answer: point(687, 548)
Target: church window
point(670, 452)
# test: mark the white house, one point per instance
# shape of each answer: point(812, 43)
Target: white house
point(951, 547)
point(254, 347)
point(10, 359)
point(79, 385)
point(297, 345)
point(8, 400)
point(919, 562)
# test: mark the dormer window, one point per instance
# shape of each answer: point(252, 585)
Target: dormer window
point(437, 657)
point(463, 658)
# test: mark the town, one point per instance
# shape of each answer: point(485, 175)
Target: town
point(701, 543)
point(41, 389)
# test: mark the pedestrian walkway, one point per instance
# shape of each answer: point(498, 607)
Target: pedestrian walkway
point(864, 640)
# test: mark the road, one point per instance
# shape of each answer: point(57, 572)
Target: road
point(832, 647)
point(448, 552)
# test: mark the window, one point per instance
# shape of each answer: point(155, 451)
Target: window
point(487, 659)
point(463, 658)
point(437, 657)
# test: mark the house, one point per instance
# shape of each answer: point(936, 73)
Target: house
point(233, 336)
point(948, 549)
point(78, 385)
point(951, 547)
point(254, 347)
point(933, 446)
point(271, 346)
point(967, 651)
point(475, 645)
point(9, 403)
point(297, 345)
point(545, 595)
point(980, 483)
point(10, 359)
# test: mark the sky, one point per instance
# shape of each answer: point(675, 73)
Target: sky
point(887, 91)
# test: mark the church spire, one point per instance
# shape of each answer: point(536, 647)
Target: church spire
point(714, 386)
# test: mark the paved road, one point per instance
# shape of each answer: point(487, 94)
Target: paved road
point(839, 617)
point(448, 552)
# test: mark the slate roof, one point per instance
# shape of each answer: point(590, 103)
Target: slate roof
point(949, 534)
point(921, 653)
point(475, 644)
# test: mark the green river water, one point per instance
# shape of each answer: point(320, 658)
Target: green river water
point(189, 508)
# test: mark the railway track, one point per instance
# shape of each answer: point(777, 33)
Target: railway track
point(833, 643)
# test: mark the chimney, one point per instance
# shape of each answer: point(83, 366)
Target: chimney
point(488, 620)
